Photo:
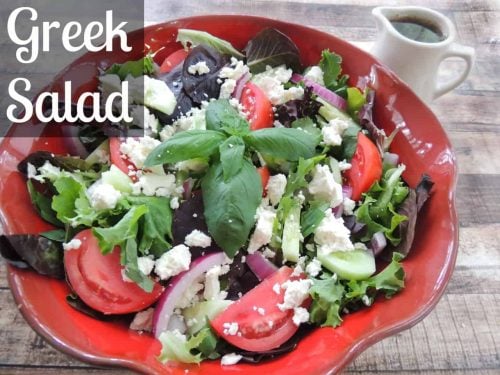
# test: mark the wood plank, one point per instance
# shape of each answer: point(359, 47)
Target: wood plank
point(475, 159)
point(479, 201)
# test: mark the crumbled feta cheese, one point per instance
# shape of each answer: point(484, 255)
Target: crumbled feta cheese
point(276, 188)
point(349, 206)
point(74, 244)
point(324, 187)
point(174, 203)
point(360, 246)
point(199, 68)
point(315, 74)
point(332, 132)
point(48, 171)
point(137, 150)
point(268, 253)
point(227, 88)
point(145, 264)
point(167, 132)
point(344, 165)
point(143, 118)
point(300, 315)
point(193, 120)
point(331, 235)
point(271, 82)
point(235, 70)
point(190, 295)
point(230, 329)
point(179, 335)
point(103, 196)
point(310, 247)
point(366, 300)
point(264, 228)
point(277, 288)
point(197, 239)
point(296, 292)
point(152, 184)
point(230, 359)
point(31, 169)
point(278, 124)
point(173, 262)
point(212, 285)
point(313, 268)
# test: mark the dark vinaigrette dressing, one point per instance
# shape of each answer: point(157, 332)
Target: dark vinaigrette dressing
point(418, 30)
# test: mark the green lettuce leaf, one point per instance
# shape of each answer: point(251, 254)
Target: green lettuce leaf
point(193, 350)
point(297, 179)
point(192, 38)
point(144, 66)
point(331, 65)
point(43, 206)
point(327, 295)
point(312, 216)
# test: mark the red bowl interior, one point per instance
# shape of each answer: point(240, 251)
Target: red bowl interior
point(422, 145)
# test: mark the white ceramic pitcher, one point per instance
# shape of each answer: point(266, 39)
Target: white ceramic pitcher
point(417, 63)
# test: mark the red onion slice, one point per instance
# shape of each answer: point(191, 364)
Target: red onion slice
point(325, 94)
point(347, 191)
point(240, 84)
point(178, 286)
point(378, 243)
point(260, 266)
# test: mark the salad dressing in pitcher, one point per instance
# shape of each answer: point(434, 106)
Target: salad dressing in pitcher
point(413, 41)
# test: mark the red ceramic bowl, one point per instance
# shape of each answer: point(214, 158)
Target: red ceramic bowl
point(423, 147)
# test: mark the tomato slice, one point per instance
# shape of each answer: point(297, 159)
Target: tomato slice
point(264, 176)
point(97, 279)
point(173, 60)
point(366, 167)
point(259, 332)
point(257, 105)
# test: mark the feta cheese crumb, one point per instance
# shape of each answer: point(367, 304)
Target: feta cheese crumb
point(324, 187)
point(276, 188)
point(137, 150)
point(268, 253)
point(145, 264)
point(174, 203)
point(74, 244)
point(277, 288)
point(264, 228)
point(331, 235)
point(230, 329)
point(296, 292)
point(332, 132)
point(271, 82)
point(31, 169)
point(197, 239)
point(315, 74)
point(344, 166)
point(161, 185)
point(173, 262)
point(103, 196)
point(199, 68)
point(212, 284)
point(314, 267)
point(349, 206)
point(300, 315)
point(230, 359)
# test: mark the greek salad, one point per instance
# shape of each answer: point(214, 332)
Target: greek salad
point(260, 201)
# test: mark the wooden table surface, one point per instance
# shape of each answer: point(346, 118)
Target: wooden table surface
point(462, 335)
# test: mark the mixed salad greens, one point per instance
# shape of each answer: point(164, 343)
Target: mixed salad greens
point(252, 208)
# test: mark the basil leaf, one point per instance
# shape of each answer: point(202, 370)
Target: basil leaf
point(144, 66)
point(307, 124)
point(192, 38)
point(220, 115)
point(230, 206)
point(231, 156)
point(283, 143)
point(186, 145)
point(156, 224)
point(43, 206)
point(125, 229)
point(271, 48)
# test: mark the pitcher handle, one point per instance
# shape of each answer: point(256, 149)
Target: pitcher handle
point(468, 55)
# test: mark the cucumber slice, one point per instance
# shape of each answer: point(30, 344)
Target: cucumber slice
point(197, 314)
point(335, 168)
point(349, 265)
point(329, 112)
point(291, 234)
point(96, 156)
point(119, 180)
